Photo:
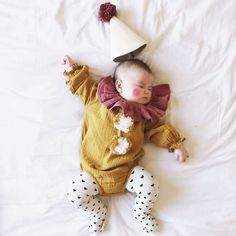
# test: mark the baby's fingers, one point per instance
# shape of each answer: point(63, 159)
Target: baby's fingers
point(186, 154)
point(64, 60)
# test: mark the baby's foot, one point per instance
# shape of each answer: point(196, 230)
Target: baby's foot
point(148, 223)
point(97, 225)
point(97, 222)
point(97, 218)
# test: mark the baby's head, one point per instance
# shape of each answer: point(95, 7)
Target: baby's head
point(134, 81)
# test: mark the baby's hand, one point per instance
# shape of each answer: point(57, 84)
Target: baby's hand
point(67, 61)
point(181, 154)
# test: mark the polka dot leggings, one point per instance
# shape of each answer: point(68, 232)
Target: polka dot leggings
point(82, 194)
point(83, 190)
point(146, 189)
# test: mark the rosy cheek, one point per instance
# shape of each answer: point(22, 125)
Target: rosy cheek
point(136, 92)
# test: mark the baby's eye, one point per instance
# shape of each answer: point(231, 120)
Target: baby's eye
point(150, 88)
point(140, 86)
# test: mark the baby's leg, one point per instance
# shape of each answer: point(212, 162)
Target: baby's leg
point(82, 194)
point(146, 188)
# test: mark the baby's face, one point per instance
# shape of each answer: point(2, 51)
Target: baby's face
point(135, 85)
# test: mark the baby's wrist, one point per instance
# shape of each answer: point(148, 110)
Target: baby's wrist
point(70, 68)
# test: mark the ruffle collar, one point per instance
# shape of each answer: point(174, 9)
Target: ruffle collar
point(152, 111)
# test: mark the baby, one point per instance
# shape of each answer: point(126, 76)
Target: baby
point(120, 113)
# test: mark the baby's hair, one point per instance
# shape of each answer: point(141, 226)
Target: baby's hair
point(130, 63)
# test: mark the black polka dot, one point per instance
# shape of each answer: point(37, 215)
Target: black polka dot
point(141, 185)
point(74, 190)
point(152, 185)
point(142, 177)
point(83, 180)
point(85, 188)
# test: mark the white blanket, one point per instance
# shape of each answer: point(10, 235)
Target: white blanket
point(191, 46)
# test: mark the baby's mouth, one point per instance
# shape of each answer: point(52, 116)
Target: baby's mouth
point(145, 100)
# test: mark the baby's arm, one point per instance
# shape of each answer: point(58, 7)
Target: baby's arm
point(167, 136)
point(79, 80)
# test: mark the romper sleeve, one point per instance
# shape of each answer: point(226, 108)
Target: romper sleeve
point(164, 135)
point(80, 83)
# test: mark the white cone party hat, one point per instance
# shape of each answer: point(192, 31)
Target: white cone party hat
point(125, 43)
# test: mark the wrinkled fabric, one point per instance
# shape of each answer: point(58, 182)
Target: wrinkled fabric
point(191, 47)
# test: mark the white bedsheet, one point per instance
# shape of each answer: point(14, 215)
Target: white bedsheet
point(192, 47)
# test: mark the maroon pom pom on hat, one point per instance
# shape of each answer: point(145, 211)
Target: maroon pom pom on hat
point(106, 11)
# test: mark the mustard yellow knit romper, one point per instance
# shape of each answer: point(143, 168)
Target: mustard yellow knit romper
point(100, 135)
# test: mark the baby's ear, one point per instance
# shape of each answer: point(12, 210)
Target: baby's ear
point(118, 85)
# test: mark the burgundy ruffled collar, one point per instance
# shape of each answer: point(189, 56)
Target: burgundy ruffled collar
point(152, 111)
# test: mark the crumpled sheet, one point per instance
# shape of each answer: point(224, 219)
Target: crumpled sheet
point(191, 46)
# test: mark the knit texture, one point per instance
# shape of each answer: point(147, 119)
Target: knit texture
point(110, 169)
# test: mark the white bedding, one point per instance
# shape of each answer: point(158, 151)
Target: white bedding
point(192, 47)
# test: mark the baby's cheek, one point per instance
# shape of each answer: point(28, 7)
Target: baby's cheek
point(136, 92)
